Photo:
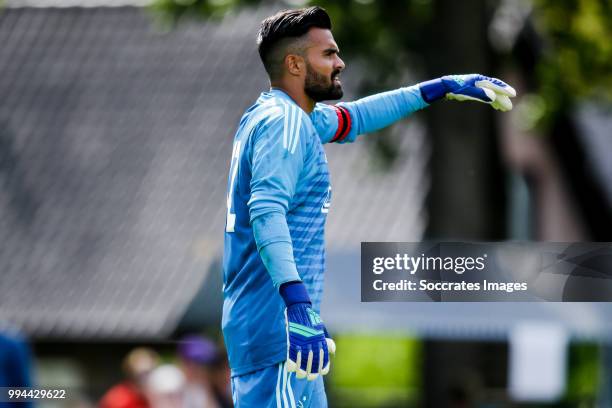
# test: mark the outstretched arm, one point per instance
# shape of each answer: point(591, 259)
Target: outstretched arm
point(345, 121)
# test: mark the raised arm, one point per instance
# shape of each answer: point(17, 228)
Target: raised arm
point(345, 121)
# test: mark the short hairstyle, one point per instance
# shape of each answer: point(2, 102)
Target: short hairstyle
point(279, 31)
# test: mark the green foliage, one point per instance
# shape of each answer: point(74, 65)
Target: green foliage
point(584, 373)
point(376, 370)
point(175, 10)
point(577, 61)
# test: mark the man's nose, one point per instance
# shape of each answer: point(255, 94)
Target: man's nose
point(339, 63)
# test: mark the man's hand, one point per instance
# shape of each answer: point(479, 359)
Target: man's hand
point(472, 87)
point(309, 344)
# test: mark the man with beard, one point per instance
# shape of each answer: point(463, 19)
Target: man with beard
point(278, 198)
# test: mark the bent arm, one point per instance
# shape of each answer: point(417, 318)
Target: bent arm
point(275, 248)
point(276, 162)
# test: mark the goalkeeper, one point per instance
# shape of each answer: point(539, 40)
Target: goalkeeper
point(278, 198)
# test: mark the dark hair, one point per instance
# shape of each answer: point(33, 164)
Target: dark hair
point(287, 24)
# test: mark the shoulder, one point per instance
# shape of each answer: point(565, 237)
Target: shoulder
point(332, 122)
point(284, 121)
point(278, 111)
point(324, 115)
point(13, 342)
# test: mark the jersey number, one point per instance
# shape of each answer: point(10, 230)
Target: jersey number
point(230, 220)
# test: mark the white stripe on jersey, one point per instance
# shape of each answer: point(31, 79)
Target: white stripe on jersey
point(292, 123)
point(297, 131)
point(285, 386)
point(278, 401)
point(292, 126)
point(290, 391)
point(286, 126)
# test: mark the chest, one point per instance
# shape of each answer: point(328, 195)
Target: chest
point(314, 189)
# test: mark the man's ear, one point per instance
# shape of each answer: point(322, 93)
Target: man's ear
point(295, 64)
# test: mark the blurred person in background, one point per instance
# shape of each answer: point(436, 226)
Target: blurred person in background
point(221, 380)
point(15, 365)
point(78, 401)
point(165, 387)
point(137, 367)
point(197, 358)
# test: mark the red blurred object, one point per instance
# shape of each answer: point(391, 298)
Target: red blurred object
point(123, 395)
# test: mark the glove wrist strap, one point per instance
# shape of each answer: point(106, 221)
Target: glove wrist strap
point(433, 90)
point(294, 292)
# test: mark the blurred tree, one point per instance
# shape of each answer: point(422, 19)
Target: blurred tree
point(174, 10)
point(576, 55)
point(584, 374)
point(565, 53)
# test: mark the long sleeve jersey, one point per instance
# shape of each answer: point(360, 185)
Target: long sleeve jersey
point(279, 170)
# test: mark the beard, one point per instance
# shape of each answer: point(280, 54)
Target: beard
point(321, 88)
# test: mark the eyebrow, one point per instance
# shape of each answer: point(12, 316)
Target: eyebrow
point(331, 50)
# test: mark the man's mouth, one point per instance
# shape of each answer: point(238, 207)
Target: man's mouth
point(336, 79)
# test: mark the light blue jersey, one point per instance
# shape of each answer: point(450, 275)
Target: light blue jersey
point(279, 166)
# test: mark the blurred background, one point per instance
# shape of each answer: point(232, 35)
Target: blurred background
point(116, 124)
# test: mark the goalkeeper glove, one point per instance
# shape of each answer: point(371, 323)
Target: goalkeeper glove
point(472, 87)
point(309, 344)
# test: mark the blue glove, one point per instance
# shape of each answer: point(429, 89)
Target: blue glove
point(472, 87)
point(309, 344)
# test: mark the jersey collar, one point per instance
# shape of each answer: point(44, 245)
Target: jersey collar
point(279, 93)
